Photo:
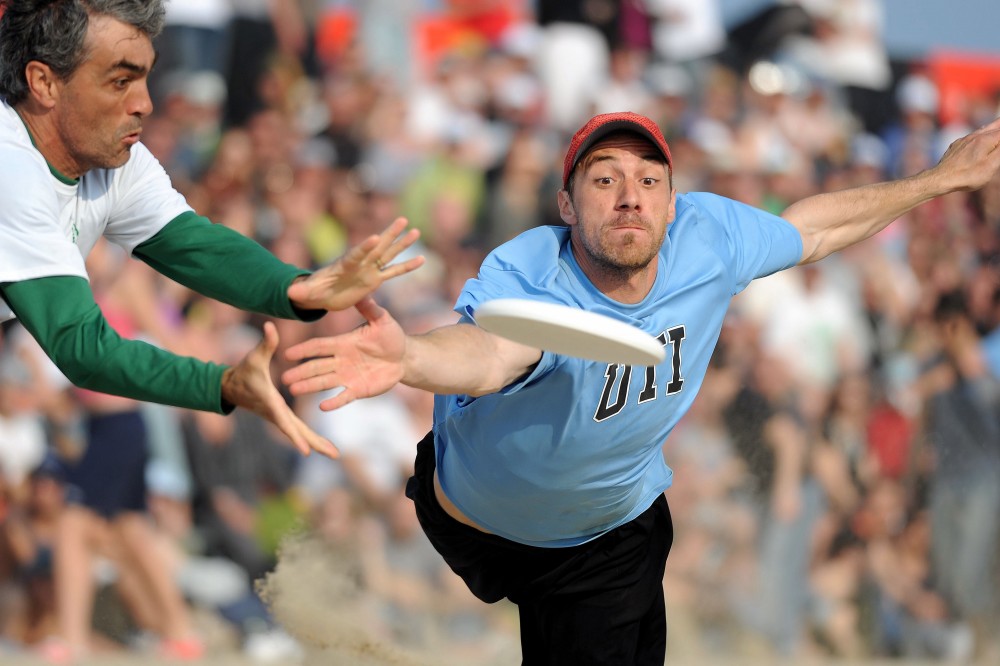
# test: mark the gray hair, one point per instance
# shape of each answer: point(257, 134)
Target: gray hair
point(54, 32)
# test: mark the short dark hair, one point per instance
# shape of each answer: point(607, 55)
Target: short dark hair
point(950, 305)
point(54, 32)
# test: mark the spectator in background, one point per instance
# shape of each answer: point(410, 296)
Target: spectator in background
point(579, 32)
point(906, 616)
point(212, 583)
point(688, 34)
point(28, 533)
point(192, 42)
point(913, 140)
point(22, 433)
point(773, 437)
point(963, 431)
point(260, 33)
point(239, 470)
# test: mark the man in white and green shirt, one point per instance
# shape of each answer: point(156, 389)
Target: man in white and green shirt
point(72, 169)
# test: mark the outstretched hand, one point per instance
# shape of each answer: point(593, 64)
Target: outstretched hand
point(366, 362)
point(973, 160)
point(248, 384)
point(359, 272)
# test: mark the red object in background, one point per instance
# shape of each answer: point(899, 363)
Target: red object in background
point(963, 77)
point(466, 25)
point(335, 32)
point(890, 435)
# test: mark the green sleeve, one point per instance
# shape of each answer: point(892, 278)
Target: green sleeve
point(61, 314)
point(223, 264)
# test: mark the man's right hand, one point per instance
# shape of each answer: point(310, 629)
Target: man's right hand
point(366, 362)
point(248, 384)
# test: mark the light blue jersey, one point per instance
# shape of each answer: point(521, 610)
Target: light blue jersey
point(574, 449)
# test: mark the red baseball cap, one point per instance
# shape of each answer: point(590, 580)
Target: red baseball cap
point(604, 124)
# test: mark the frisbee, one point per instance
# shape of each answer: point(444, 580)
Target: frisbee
point(571, 331)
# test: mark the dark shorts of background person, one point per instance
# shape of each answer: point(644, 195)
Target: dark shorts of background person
point(597, 603)
point(110, 477)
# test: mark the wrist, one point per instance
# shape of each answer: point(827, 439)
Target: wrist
point(226, 400)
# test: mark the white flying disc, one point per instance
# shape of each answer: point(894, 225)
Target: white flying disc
point(570, 331)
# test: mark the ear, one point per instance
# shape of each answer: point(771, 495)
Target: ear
point(42, 83)
point(566, 210)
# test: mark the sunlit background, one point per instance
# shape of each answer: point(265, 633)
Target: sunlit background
point(836, 486)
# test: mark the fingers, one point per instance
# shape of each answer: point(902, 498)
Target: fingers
point(315, 442)
point(314, 384)
point(369, 309)
point(393, 250)
point(388, 238)
point(309, 369)
point(345, 397)
point(312, 348)
point(390, 245)
point(403, 268)
point(269, 343)
point(303, 437)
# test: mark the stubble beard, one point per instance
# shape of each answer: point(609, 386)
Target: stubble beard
point(94, 156)
point(622, 261)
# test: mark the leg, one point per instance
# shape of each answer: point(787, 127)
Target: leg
point(604, 606)
point(138, 542)
point(73, 575)
point(580, 634)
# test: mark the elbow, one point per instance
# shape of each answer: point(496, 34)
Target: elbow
point(813, 248)
point(489, 383)
point(80, 375)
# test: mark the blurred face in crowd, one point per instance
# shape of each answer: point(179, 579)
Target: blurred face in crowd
point(99, 109)
point(621, 203)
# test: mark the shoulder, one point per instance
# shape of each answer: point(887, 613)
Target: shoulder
point(708, 205)
point(530, 251)
point(538, 239)
point(21, 165)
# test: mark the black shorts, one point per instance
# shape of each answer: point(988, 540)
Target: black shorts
point(110, 477)
point(597, 603)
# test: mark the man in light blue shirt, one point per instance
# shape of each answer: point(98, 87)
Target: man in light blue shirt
point(542, 480)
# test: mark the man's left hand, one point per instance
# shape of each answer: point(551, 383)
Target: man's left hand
point(358, 273)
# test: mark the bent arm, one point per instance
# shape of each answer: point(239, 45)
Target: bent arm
point(61, 314)
point(465, 359)
point(833, 221)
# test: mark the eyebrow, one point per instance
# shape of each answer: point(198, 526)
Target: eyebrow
point(130, 66)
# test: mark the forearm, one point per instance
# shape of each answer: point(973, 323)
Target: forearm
point(60, 313)
point(224, 265)
point(832, 221)
point(464, 359)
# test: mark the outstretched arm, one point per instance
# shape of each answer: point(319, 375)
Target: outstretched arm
point(223, 264)
point(833, 221)
point(371, 359)
point(61, 314)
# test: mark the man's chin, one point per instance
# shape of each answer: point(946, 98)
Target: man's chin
point(120, 159)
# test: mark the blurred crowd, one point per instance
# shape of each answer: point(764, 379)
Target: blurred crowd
point(835, 485)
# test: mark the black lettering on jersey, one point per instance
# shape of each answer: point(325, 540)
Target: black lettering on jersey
point(649, 387)
point(606, 409)
point(676, 335)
